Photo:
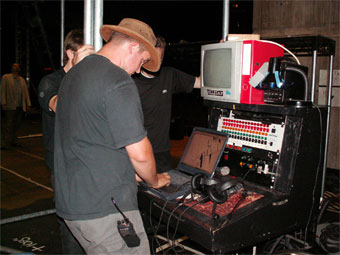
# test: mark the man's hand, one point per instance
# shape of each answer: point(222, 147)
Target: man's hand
point(53, 103)
point(164, 179)
point(81, 53)
point(142, 159)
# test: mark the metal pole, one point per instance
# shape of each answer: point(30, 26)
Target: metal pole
point(225, 29)
point(62, 31)
point(98, 22)
point(329, 104)
point(313, 75)
point(88, 22)
point(43, 34)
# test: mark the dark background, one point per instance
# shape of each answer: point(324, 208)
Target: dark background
point(32, 28)
point(188, 21)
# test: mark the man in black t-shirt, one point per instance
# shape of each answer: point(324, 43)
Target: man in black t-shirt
point(155, 91)
point(74, 52)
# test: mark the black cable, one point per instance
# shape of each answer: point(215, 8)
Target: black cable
point(245, 175)
point(160, 218)
point(180, 216)
point(244, 195)
point(169, 218)
point(171, 214)
point(278, 240)
point(158, 225)
point(329, 238)
point(324, 206)
point(154, 230)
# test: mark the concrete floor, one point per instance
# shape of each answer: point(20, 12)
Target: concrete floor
point(28, 221)
point(25, 191)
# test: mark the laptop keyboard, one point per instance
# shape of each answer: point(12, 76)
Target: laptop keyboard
point(201, 155)
point(178, 180)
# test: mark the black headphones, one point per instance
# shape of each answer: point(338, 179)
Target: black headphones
point(217, 190)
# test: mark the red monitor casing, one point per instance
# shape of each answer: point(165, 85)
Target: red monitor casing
point(255, 53)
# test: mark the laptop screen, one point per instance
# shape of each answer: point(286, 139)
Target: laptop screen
point(204, 150)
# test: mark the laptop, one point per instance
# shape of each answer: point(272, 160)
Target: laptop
point(201, 155)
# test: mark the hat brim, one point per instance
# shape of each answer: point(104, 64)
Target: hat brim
point(154, 64)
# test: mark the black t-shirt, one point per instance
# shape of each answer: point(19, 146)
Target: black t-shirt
point(156, 97)
point(49, 87)
point(98, 114)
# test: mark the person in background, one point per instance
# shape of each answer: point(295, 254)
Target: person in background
point(74, 52)
point(101, 147)
point(14, 101)
point(155, 91)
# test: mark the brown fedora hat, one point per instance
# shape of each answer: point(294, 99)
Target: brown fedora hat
point(140, 31)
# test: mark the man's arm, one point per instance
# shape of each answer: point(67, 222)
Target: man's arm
point(141, 156)
point(52, 104)
point(48, 90)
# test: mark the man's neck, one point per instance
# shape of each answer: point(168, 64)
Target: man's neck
point(113, 52)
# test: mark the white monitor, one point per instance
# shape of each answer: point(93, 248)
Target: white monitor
point(221, 71)
point(227, 67)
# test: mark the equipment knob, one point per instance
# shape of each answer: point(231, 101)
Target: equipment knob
point(225, 170)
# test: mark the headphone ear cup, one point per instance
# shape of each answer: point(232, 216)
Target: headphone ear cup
point(197, 183)
point(220, 192)
point(216, 196)
point(228, 185)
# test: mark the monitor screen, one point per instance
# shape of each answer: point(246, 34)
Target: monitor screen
point(227, 67)
point(204, 150)
point(217, 66)
point(221, 71)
